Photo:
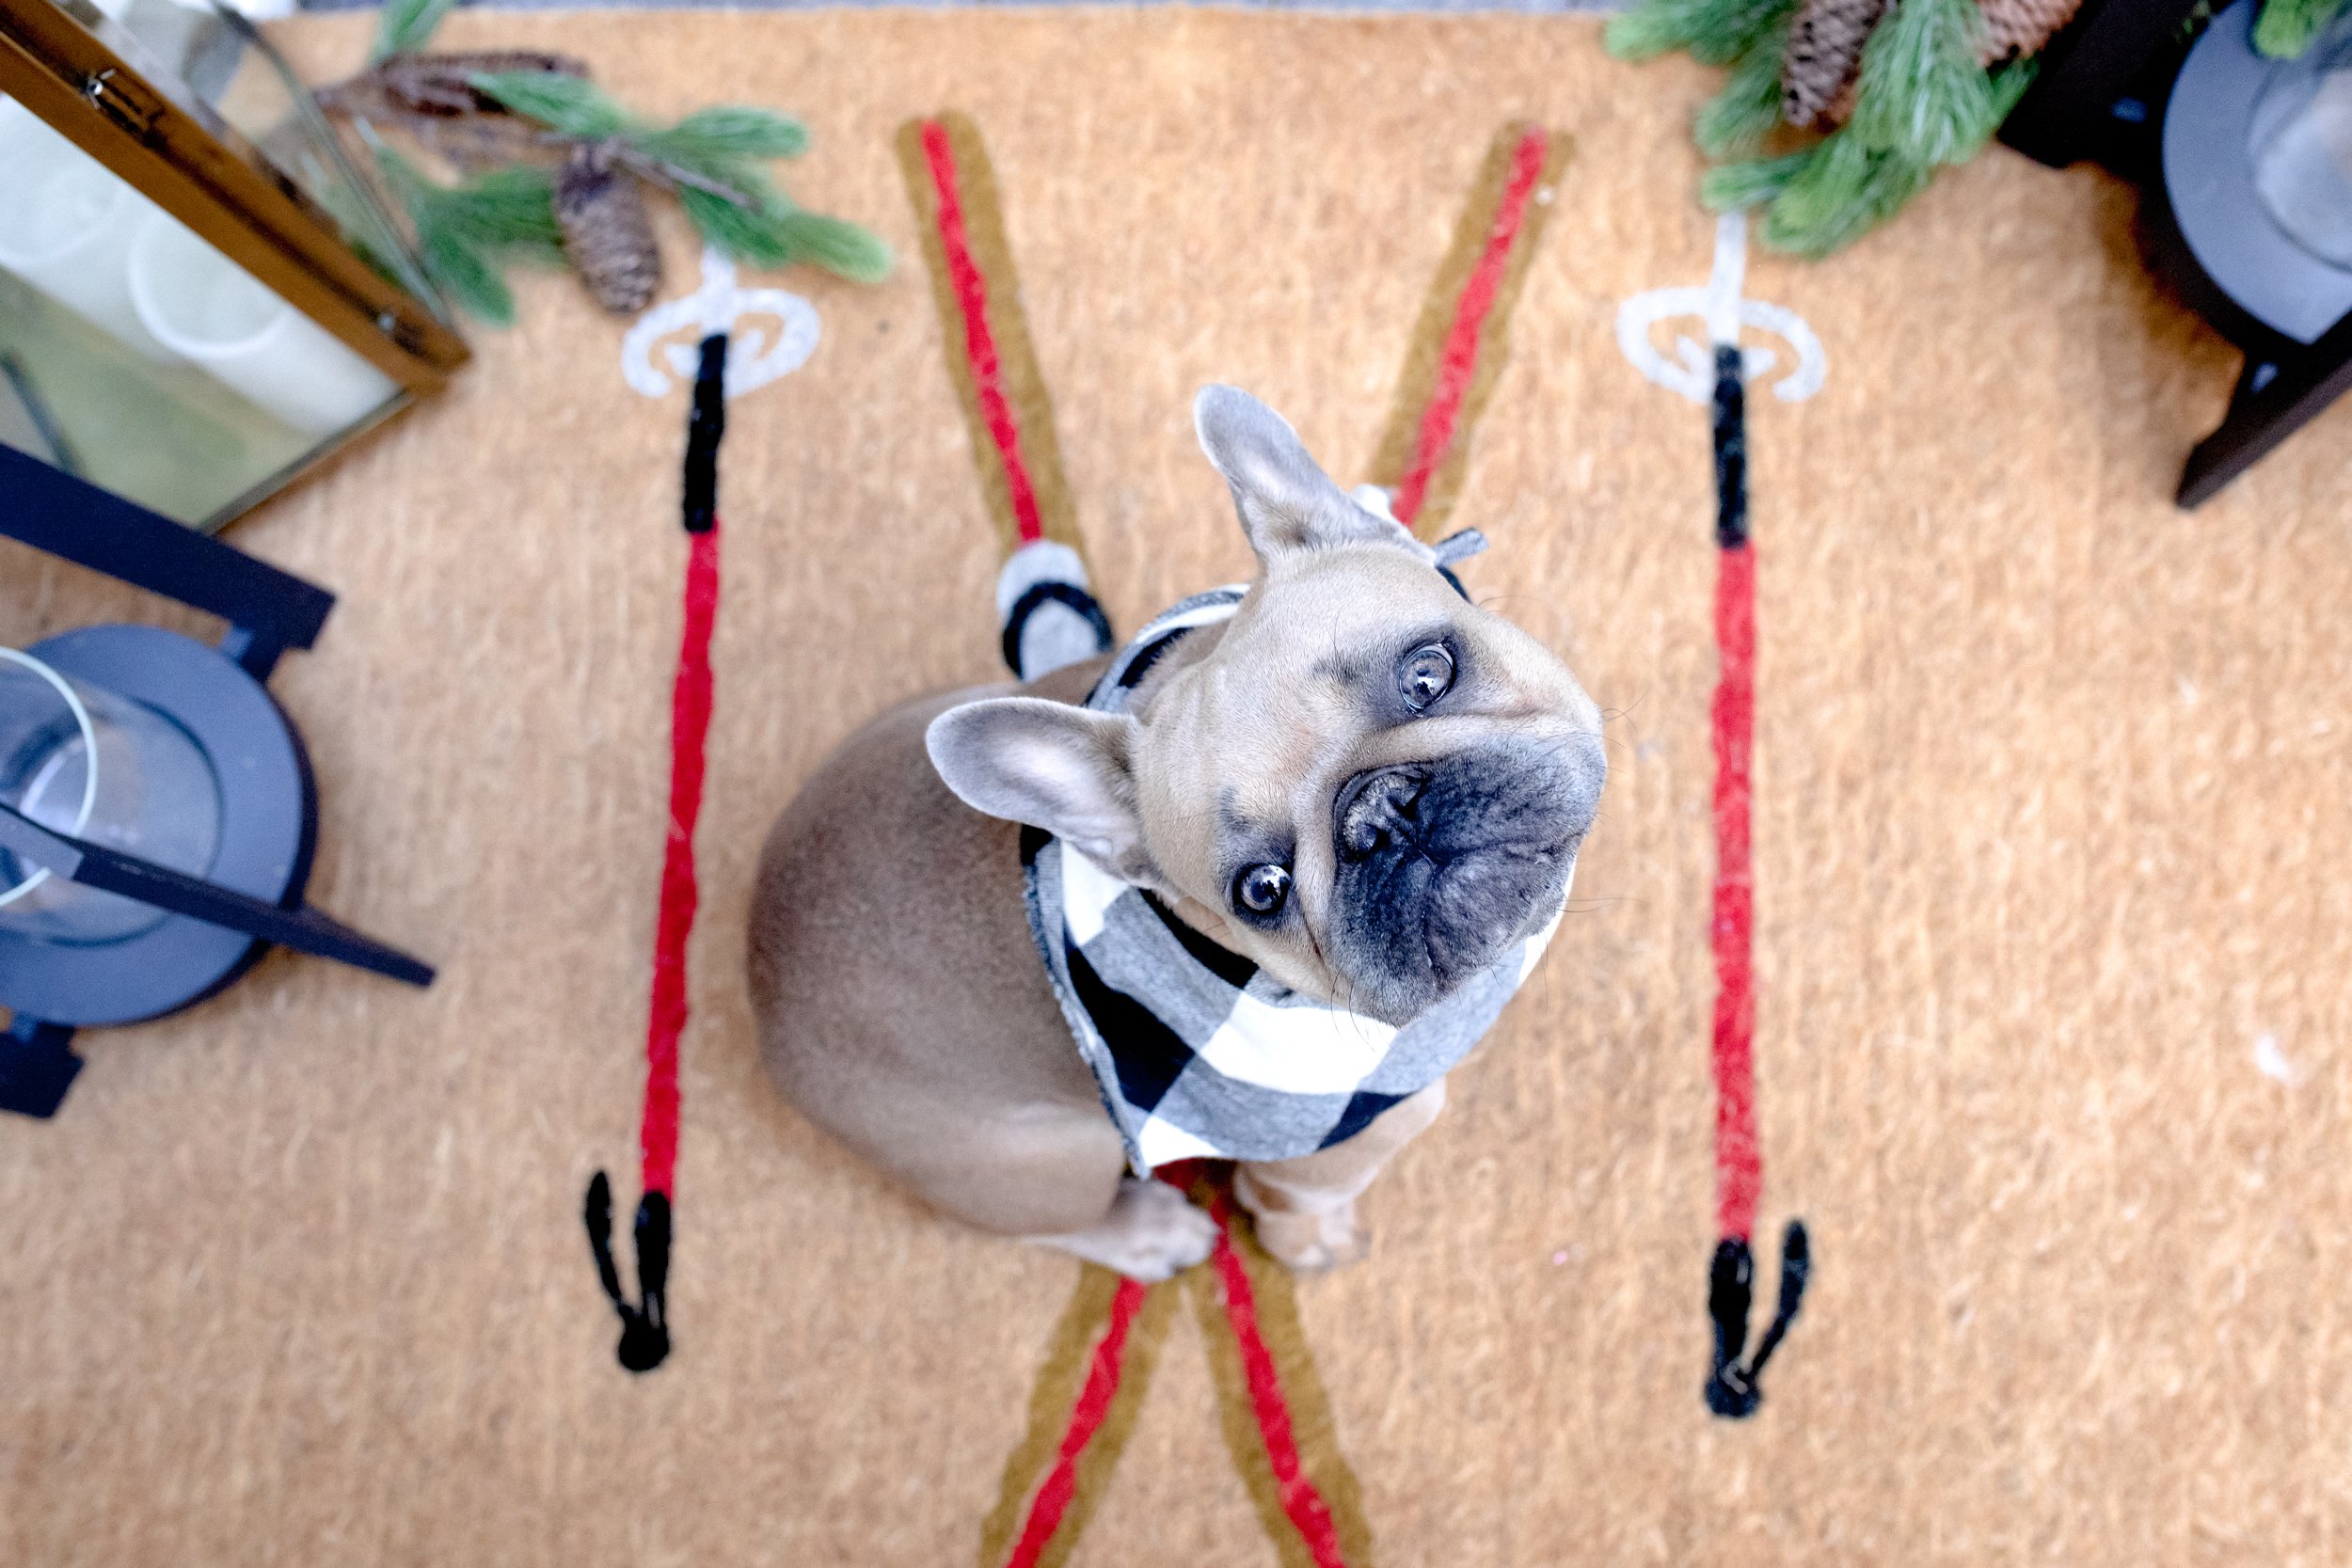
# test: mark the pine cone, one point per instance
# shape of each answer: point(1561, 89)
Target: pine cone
point(2016, 28)
point(1824, 55)
point(607, 232)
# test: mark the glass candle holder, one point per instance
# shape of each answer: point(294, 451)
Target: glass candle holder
point(84, 761)
point(2300, 139)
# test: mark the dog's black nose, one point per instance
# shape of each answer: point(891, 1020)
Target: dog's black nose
point(1379, 810)
point(1443, 864)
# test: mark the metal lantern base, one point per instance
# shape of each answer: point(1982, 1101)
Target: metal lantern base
point(2123, 84)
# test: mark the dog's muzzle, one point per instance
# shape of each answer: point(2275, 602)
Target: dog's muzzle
point(1443, 865)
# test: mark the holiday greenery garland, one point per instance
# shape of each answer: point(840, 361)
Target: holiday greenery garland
point(1892, 90)
point(1835, 113)
point(552, 170)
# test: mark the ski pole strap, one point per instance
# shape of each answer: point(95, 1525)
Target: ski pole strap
point(1732, 1389)
point(645, 1323)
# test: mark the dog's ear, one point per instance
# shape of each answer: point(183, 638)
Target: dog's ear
point(1066, 770)
point(1286, 502)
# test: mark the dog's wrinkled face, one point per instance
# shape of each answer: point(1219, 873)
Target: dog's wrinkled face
point(1365, 784)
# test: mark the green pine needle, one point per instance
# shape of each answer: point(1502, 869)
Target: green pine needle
point(2286, 29)
point(775, 234)
point(467, 279)
point(753, 234)
point(1716, 32)
point(573, 105)
point(403, 26)
point(2010, 83)
point(1734, 122)
point(466, 233)
point(709, 160)
point(766, 229)
point(1828, 194)
point(1845, 190)
point(839, 246)
point(728, 131)
point(511, 208)
point(1752, 182)
point(1923, 94)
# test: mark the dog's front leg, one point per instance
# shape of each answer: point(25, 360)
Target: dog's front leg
point(1152, 1232)
point(1306, 1207)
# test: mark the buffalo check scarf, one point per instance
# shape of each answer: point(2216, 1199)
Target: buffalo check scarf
point(1195, 1051)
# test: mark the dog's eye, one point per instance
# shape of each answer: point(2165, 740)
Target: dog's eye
point(1263, 890)
point(1426, 675)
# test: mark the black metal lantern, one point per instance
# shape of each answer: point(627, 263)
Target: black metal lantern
point(2246, 167)
point(157, 813)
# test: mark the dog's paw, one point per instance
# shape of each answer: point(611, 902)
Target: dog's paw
point(1310, 1243)
point(1304, 1231)
point(1152, 1233)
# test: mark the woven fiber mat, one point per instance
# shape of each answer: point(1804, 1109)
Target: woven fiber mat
point(2049, 907)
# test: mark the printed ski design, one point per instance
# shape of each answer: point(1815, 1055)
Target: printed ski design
point(1716, 376)
point(728, 341)
point(1460, 342)
point(646, 1321)
point(1044, 600)
point(1277, 1421)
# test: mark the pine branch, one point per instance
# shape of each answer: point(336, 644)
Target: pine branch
point(711, 159)
point(466, 278)
point(458, 270)
point(699, 164)
point(438, 84)
point(1734, 122)
point(678, 177)
point(752, 234)
point(1753, 181)
point(1716, 32)
point(572, 105)
point(403, 26)
point(2286, 29)
point(1846, 189)
point(477, 144)
point(773, 233)
point(594, 211)
point(841, 248)
point(727, 131)
point(465, 232)
point(2010, 83)
point(512, 207)
point(1924, 96)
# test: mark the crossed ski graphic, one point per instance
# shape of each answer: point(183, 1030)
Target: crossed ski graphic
point(1277, 1422)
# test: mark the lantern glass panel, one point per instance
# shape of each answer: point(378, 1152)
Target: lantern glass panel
point(134, 352)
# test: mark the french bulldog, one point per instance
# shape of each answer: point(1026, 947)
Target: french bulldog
point(1351, 792)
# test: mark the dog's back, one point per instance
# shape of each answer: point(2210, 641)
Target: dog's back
point(900, 1004)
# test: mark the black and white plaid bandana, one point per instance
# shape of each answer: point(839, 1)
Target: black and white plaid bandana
point(1197, 1052)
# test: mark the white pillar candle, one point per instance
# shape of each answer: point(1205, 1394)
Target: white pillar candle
point(66, 226)
point(200, 304)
